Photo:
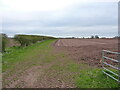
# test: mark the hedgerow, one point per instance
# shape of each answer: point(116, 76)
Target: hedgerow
point(26, 40)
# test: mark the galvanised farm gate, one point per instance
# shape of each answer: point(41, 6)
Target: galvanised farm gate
point(108, 68)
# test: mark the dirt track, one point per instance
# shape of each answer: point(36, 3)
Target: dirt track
point(40, 71)
point(87, 50)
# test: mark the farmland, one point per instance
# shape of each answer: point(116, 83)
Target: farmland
point(59, 44)
point(62, 63)
point(87, 50)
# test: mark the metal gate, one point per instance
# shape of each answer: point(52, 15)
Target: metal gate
point(105, 65)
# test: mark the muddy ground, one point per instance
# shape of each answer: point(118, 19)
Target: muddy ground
point(88, 51)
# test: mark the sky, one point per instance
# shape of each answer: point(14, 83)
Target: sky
point(59, 18)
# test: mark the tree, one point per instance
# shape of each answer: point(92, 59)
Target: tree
point(92, 37)
point(73, 37)
point(96, 36)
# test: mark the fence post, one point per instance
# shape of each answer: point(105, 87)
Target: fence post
point(119, 70)
point(102, 58)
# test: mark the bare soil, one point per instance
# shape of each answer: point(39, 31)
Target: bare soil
point(12, 42)
point(88, 51)
point(43, 75)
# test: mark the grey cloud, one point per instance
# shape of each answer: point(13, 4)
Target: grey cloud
point(55, 22)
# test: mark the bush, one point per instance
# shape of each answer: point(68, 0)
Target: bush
point(3, 40)
point(26, 40)
point(96, 36)
point(92, 37)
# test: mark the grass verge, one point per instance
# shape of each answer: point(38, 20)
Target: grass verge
point(18, 55)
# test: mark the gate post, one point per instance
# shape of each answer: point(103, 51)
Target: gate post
point(119, 70)
point(102, 58)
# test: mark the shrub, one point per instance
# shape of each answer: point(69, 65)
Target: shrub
point(3, 40)
point(92, 37)
point(96, 36)
point(26, 40)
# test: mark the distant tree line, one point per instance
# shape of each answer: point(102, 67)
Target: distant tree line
point(24, 40)
point(117, 37)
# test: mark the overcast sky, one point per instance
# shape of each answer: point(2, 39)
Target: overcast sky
point(79, 18)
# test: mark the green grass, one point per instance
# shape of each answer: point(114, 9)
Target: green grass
point(84, 76)
point(94, 78)
point(18, 59)
point(15, 55)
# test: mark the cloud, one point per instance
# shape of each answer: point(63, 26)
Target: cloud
point(72, 19)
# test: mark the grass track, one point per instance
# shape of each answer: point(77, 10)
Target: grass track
point(56, 68)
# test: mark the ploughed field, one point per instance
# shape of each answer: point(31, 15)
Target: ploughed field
point(63, 63)
point(88, 51)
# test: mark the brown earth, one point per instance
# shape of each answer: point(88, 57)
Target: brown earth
point(12, 42)
point(39, 74)
point(88, 51)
